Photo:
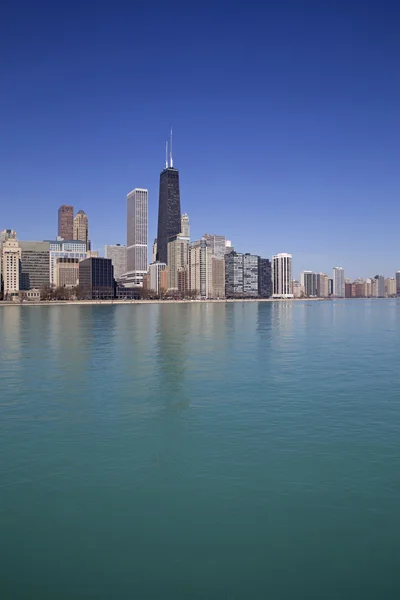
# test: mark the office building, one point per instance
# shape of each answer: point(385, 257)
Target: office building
point(380, 286)
point(178, 260)
point(169, 208)
point(65, 249)
point(154, 252)
point(66, 222)
point(390, 287)
point(155, 273)
point(309, 283)
point(137, 236)
point(322, 287)
point(35, 265)
point(81, 228)
point(6, 234)
point(297, 289)
point(96, 278)
point(218, 244)
point(338, 282)
point(218, 277)
point(117, 254)
point(66, 272)
point(264, 278)
point(11, 265)
point(282, 276)
point(250, 275)
point(234, 275)
point(185, 226)
point(397, 283)
point(200, 268)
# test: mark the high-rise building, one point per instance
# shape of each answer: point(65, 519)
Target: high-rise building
point(117, 254)
point(35, 265)
point(66, 272)
point(322, 285)
point(66, 222)
point(81, 228)
point(200, 268)
point(137, 234)
point(241, 275)
point(381, 285)
point(282, 276)
point(185, 226)
point(250, 275)
point(297, 289)
point(390, 287)
point(154, 252)
point(65, 249)
point(397, 283)
point(218, 277)
point(11, 261)
point(309, 282)
point(6, 234)
point(96, 278)
point(169, 208)
point(155, 271)
point(330, 286)
point(178, 260)
point(264, 278)
point(338, 282)
point(217, 243)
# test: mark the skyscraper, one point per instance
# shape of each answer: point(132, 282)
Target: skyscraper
point(11, 259)
point(169, 207)
point(117, 254)
point(35, 265)
point(155, 271)
point(185, 226)
point(218, 244)
point(137, 232)
point(264, 278)
point(66, 222)
point(338, 282)
point(380, 286)
point(81, 228)
point(241, 275)
point(200, 268)
point(309, 283)
point(282, 276)
point(178, 260)
point(322, 285)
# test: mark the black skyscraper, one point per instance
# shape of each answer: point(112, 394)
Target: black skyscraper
point(169, 208)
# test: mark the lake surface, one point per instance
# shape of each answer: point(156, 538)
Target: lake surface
point(216, 451)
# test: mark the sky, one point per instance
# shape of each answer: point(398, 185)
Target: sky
point(285, 116)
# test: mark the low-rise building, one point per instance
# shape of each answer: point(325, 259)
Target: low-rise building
point(66, 272)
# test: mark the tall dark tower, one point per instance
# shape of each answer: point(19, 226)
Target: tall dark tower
point(169, 206)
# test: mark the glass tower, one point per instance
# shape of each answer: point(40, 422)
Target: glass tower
point(169, 207)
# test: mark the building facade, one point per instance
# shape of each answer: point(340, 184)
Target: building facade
point(117, 254)
point(169, 211)
point(6, 234)
point(217, 243)
point(282, 276)
point(35, 265)
point(322, 287)
point(81, 228)
point(338, 282)
point(200, 268)
point(155, 273)
point(66, 222)
point(11, 267)
point(218, 277)
point(185, 226)
point(178, 260)
point(96, 278)
point(65, 249)
point(241, 275)
point(264, 278)
point(380, 286)
point(66, 272)
point(390, 287)
point(309, 283)
point(137, 235)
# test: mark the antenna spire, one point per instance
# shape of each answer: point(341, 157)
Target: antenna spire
point(166, 154)
point(171, 161)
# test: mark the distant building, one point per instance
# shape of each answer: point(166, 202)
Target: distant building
point(349, 290)
point(322, 285)
point(217, 244)
point(241, 275)
point(397, 283)
point(338, 282)
point(282, 276)
point(330, 286)
point(218, 277)
point(65, 249)
point(178, 260)
point(6, 234)
point(200, 268)
point(169, 208)
point(66, 222)
point(381, 286)
point(264, 278)
point(390, 287)
point(11, 264)
point(96, 278)
point(154, 252)
point(297, 289)
point(81, 228)
point(155, 271)
point(35, 265)
point(250, 275)
point(309, 283)
point(185, 226)
point(137, 234)
point(66, 272)
point(117, 254)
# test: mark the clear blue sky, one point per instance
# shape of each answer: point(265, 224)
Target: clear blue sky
point(285, 114)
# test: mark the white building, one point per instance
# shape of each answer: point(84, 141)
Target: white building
point(155, 270)
point(185, 226)
point(65, 249)
point(282, 276)
point(390, 287)
point(137, 234)
point(200, 268)
point(11, 260)
point(117, 253)
point(338, 282)
point(178, 257)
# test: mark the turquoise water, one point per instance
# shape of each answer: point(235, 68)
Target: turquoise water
point(246, 450)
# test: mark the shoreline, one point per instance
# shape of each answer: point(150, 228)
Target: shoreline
point(167, 302)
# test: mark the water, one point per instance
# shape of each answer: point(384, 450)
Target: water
point(240, 451)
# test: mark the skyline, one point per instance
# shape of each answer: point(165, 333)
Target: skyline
point(293, 150)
